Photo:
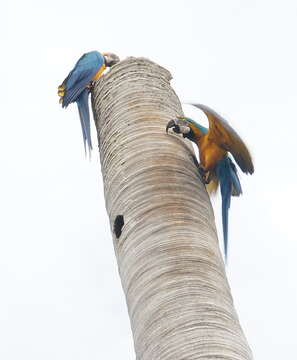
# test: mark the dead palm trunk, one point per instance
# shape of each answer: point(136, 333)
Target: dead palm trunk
point(162, 222)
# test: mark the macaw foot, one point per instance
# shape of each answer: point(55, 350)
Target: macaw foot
point(205, 175)
point(90, 85)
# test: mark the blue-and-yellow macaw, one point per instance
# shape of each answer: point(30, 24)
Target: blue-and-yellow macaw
point(216, 166)
point(76, 86)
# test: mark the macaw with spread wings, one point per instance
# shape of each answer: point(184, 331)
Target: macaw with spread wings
point(216, 167)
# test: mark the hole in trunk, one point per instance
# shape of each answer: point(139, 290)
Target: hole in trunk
point(118, 225)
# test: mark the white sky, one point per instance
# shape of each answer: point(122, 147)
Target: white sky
point(61, 296)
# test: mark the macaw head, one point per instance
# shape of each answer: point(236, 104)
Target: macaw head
point(187, 127)
point(110, 59)
point(179, 126)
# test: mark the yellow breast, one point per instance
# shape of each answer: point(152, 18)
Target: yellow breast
point(99, 73)
point(210, 153)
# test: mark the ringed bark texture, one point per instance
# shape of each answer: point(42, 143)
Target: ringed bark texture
point(162, 222)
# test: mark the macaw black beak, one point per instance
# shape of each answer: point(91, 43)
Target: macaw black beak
point(172, 124)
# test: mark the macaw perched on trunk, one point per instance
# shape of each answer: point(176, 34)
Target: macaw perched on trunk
point(76, 86)
point(216, 167)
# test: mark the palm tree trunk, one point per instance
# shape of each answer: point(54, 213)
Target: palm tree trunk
point(165, 240)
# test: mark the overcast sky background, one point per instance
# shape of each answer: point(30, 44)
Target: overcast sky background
point(60, 293)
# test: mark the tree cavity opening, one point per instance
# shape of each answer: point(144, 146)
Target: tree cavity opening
point(118, 225)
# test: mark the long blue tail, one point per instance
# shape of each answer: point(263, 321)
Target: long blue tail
point(230, 185)
point(84, 115)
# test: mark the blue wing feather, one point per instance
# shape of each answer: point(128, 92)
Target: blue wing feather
point(236, 186)
point(84, 115)
point(81, 75)
point(74, 92)
point(230, 185)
